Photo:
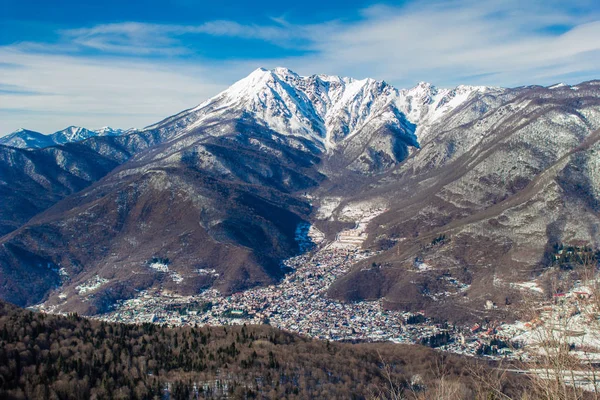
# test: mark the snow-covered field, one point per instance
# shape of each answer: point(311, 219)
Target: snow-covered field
point(176, 277)
point(571, 319)
point(327, 207)
point(422, 267)
point(354, 238)
point(207, 271)
point(90, 285)
point(164, 267)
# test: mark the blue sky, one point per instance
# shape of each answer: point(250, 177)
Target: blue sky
point(131, 63)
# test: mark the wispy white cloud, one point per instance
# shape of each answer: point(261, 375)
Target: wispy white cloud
point(160, 39)
point(92, 92)
point(505, 43)
point(129, 38)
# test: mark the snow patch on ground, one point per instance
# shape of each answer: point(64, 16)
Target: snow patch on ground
point(327, 207)
point(422, 267)
point(210, 271)
point(160, 267)
point(529, 286)
point(176, 277)
point(558, 85)
point(354, 238)
point(164, 267)
point(90, 285)
point(571, 318)
point(363, 211)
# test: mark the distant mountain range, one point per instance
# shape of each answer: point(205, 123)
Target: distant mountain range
point(475, 187)
point(24, 138)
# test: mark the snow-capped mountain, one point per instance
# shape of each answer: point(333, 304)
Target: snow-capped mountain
point(326, 109)
point(362, 125)
point(71, 134)
point(108, 131)
point(500, 175)
point(23, 138)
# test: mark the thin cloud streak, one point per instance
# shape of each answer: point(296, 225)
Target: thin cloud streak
point(439, 43)
point(98, 92)
point(433, 41)
point(155, 39)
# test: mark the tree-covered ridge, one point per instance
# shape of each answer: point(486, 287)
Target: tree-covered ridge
point(53, 357)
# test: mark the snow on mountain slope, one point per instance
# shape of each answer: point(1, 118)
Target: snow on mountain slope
point(425, 104)
point(71, 134)
point(558, 86)
point(108, 131)
point(327, 109)
point(24, 138)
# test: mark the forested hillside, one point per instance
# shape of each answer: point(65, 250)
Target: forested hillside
point(53, 357)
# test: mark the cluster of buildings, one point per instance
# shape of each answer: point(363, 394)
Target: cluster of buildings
point(571, 318)
point(299, 303)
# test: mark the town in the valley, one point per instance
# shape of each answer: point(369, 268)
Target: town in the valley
point(299, 304)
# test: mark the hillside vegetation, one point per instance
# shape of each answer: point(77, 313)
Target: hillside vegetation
point(54, 357)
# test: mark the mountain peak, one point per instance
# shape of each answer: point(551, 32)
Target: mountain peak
point(284, 73)
point(558, 85)
point(23, 131)
point(327, 109)
point(71, 134)
point(25, 138)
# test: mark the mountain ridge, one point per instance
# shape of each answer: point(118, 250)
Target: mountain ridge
point(315, 105)
point(24, 138)
point(239, 172)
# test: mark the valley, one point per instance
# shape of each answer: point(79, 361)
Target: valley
point(357, 200)
point(334, 208)
point(300, 304)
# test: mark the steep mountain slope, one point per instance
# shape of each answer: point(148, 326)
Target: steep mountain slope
point(483, 202)
point(365, 125)
point(218, 198)
point(30, 182)
point(24, 138)
point(33, 180)
point(477, 184)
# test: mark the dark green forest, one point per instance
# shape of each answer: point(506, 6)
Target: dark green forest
point(54, 357)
